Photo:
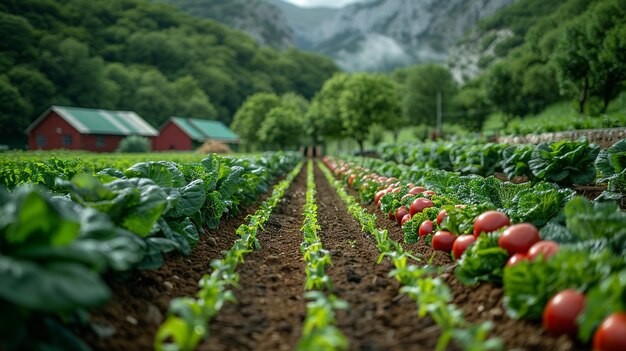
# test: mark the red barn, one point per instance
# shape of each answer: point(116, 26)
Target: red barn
point(76, 128)
point(189, 133)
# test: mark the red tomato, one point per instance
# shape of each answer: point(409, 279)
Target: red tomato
point(391, 216)
point(401, 212)
point(416, 190)
point(443, 241)
point(410, 185)
point(391, 180)
point(426, 228)
point(490, 221)
point(545, 248)
point(396, 190)
point(351, 179)
point(382, 179)
point(429, 193)
point(407, 217)
point(380, 194)
point(515, 259)
point(419, 205)
point(440, 216)
point(611, 334)
point(461, 244)
point(518, 238)
point(559, 315)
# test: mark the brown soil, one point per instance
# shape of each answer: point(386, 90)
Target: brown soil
point(141, 298)
point(270, 308)
point(480, 303)
point(379, 317)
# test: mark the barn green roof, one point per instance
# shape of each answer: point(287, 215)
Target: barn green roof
point(98, 121)
point(204, 129)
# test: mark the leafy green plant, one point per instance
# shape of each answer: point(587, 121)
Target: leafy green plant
point(565, 162)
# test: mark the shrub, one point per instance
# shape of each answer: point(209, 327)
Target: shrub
point(135, 144)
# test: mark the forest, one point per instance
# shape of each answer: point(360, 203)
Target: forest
point(135, 55)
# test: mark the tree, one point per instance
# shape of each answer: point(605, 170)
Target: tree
point(423, 82)
point(366, 100)
point(251, 116)
point(502, 91)
point(284, 124)
point(324, 110)
point(473, 106)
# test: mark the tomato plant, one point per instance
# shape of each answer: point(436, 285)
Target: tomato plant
point(405, 218)
point(544, 248)
point(559, 315)
point(461, 244)
point(611, 334)
point(515, 259)
point(419, 205)
point(489, 221)
point(443, 241)
point(416, 190)
point(442, 214)
point(426, 228)
point(518, 238)
point(401, 212)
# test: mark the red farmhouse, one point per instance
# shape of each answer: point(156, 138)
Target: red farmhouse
point(77, 128)
point(189, 133)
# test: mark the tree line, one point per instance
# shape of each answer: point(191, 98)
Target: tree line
point(571, 50)
point(136, 55)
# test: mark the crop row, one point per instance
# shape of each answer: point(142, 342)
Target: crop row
point(319, 331)
point(580, 250)
point(54, 246)
point(431, 294)
point(188, 318)
point(564, 162)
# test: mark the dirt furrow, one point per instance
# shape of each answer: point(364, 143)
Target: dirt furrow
point(141, 298)
point(379, 317)
point(270, 308)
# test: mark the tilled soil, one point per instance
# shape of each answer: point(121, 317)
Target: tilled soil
point(141, 298)
point(379, 317)
point(271, 306)
point(483, 302)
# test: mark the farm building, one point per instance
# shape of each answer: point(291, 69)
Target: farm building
point(189, 133)
point(76, 128)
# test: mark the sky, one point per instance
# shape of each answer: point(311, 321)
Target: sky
point(328, 3)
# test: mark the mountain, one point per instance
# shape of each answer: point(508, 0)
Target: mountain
point(261, 20)
point(303, 20)
point(383, 34)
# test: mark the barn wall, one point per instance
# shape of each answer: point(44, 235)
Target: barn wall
point(53, 128)
point(172, 138)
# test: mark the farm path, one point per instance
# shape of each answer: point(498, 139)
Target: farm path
point(270, 304)
point(379, 317)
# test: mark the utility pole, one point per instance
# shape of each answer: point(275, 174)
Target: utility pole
point(438, 114)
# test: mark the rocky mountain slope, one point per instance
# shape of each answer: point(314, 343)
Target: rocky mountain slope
point(383, 34)
point(263, 21)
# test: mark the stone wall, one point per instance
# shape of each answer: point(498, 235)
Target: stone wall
point(603, 137)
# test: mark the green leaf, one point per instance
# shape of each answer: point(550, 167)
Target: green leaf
point(163, 173)
point(192, 198)
point(484, 260)
point(52, 287)
point(33, 218)
point(602, 300)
